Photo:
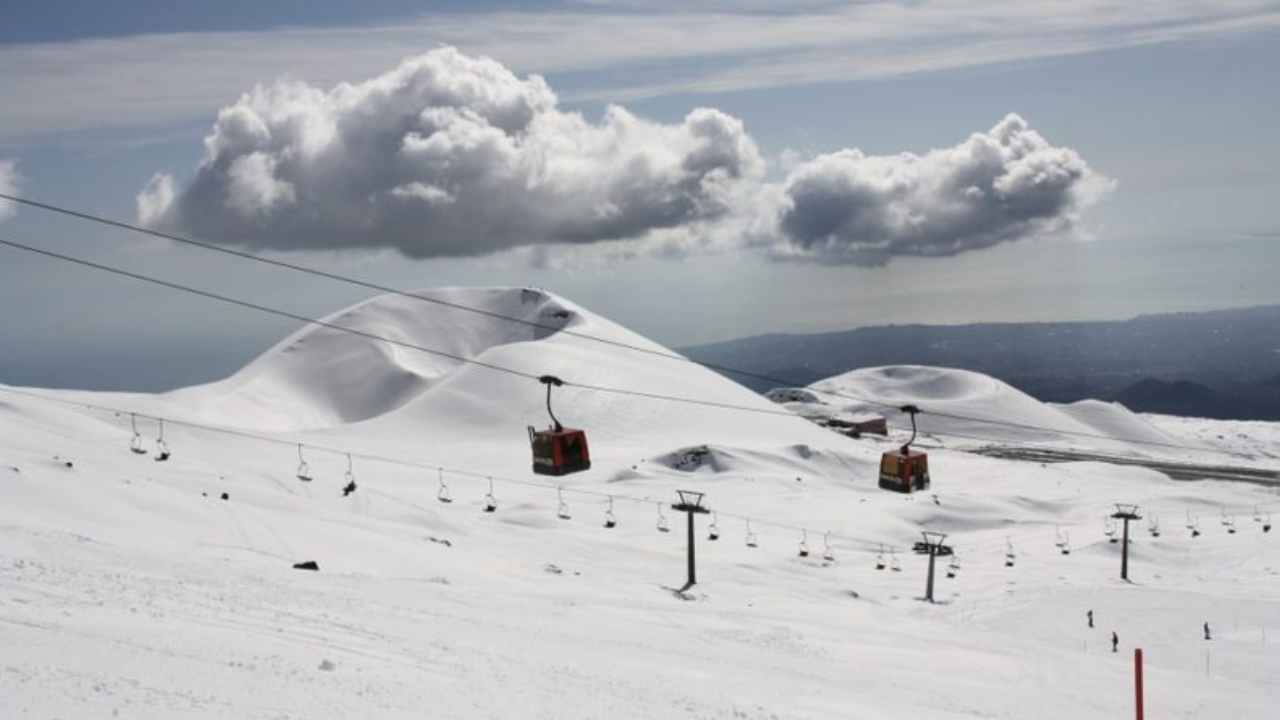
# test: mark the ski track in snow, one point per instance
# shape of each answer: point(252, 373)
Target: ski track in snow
point(128, 589)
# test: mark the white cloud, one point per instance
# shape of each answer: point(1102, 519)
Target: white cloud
point(155, 198)
point(453, 155)
point(158, 79)
point(447, 154)
point(8, 186)
point(1006, 184)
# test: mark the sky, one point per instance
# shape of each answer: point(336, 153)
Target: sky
point(697, 171)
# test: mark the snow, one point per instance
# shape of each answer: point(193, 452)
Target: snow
point(128, 588)
point(964, 408)
point(1247, 438)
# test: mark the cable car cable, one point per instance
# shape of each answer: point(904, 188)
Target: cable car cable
point(586, 386)
point(373, 336)
point(500, 316)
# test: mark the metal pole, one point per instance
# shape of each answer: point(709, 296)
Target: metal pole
point(693, 574)
point(928, 589)
point(1124, 553)
point(1137, 674)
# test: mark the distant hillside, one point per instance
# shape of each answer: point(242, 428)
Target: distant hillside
point(1232, 355)
point(1181, 397)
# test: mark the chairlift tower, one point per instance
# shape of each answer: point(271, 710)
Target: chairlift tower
point(1125, 513)
point(933, 547)
point(690, 503)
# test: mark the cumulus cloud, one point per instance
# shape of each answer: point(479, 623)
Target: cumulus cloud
point(453, 155)
point(448, 155)
point(1005, 184)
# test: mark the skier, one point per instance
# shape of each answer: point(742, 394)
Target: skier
point(1090, 614)
point(1115, 642)
point(1206, 632)
point(350, 488)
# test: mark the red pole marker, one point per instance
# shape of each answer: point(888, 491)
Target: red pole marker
point(1137, 675)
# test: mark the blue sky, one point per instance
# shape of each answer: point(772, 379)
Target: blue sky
point(56, 20)
point(1175, 102)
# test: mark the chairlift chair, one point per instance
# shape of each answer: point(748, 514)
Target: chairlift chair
point(1110, 530)
point(713, 530)
point(135, 445)
point(1266, 524)
point(663, 526)
point(880, 564)
point(905, 470)
point(304, 470)
point(827, 553)
point(1153, 526)
point(894, 565)
point(610, 521)
point(490, 502)
point(1065, 546)
point(562, 511)
point(1009, 556)
point(443, 494)
point(751, 539)
point(558, 450)
point(162, 448)
point(350, 477)
point(953, 567)
point(804, 544)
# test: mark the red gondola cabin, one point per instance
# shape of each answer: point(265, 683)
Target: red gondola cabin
point(904, 470)
point(559, 451)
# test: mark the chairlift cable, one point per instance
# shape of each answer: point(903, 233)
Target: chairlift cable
point(371, 457)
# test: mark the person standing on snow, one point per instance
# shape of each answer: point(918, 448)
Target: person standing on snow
point(1090, 614)
point(1115, 642)
point(1206, 632)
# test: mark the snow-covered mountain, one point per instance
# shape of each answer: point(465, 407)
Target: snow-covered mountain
point(127, 587)
point(963, 408)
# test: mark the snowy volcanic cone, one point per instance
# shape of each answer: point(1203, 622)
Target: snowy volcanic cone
point(324, 381)
point(971, 399)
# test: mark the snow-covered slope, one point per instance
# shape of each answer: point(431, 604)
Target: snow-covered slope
point(325, 386)
point(128, 588)
point(960, 402)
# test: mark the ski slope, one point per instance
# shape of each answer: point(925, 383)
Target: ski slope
point(128, 588)
point(964, 407)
